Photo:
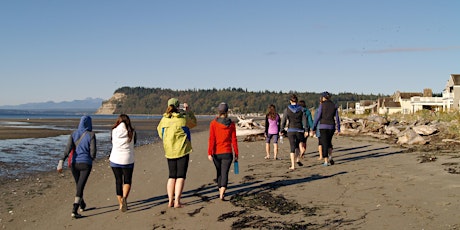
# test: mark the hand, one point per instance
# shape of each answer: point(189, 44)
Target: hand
point(236, 159)
point(210, 157)
point(59, 167)
point(186, 107)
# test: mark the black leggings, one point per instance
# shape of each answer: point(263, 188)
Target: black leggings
point(222, 163)
point(178, 167)
point(80, 172)
point(295, 138)
point(326, 140)
point(122, 176)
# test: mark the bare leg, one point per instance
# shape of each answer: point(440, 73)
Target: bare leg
point(275, 151)
point(320, 150)
point(120, 201)
point(222, 192)
point(267, 150)
point(178, 192)
point(293, 157)
point(170, 189)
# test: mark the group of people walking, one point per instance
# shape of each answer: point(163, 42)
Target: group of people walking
point(174, 130)
point(297, 124)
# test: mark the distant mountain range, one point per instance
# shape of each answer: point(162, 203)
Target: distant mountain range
point(88, 104)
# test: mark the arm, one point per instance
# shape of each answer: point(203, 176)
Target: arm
point(70, 145)
point(310, 120)
point(337, 120)
point(317, 117)
point(190, 119)
point(92, 145)
point(283, 121)
point(234, 141)
point(266, 125)
point(211, 141)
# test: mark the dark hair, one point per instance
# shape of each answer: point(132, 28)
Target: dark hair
point(123, 118)
point(302, 103)
point(293, 98)
point(271, 112)
point(171, 109)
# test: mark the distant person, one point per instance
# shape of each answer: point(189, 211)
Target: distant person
point(272, 130)
point(325, 122)
point(317, 134)
point(122, 158)
point(297, 129)
point(309, 124)
point(83, 143)
point(174, 130)
point(222, 144)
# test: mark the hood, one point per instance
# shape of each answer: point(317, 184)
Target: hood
point(225, 121)
point(295, 108)
point(85, 125)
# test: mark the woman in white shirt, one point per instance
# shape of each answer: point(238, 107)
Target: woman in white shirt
point(122, 158)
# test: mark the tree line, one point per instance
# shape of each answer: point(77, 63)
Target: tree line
point(141, 100)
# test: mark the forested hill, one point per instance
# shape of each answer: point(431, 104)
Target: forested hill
point(140, 100)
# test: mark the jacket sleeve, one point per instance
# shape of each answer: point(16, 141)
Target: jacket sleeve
point(337, 119)
point(212, 139)
point(317, 117)
point(283, 120)
point(234, 141)
point(304, 122)
point(190, 119)
point(160, 129)
point(310, 120)
point(92, 146)
point(266, 124)
point(70, 145)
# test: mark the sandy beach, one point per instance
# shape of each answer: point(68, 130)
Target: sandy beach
point(373, 185)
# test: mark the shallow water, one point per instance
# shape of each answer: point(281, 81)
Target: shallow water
point(22, 157)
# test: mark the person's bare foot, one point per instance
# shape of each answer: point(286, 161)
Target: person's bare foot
point(291, 168)
point(171, 204)
point(179, 205)
point(320, 158)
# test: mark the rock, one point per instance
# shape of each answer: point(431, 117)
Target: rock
point(425, 129)
point(410, 137)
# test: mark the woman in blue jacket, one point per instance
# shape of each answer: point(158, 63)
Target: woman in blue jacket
point(82, 143)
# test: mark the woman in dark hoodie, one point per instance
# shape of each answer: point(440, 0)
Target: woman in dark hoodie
point(221, 146)
point(83, 143)
point(297, 129)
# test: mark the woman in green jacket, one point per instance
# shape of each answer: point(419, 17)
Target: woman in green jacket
point(174, 130)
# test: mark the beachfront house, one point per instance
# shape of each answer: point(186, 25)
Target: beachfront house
point(388, 106)
point(366, 107)
point(451, 93)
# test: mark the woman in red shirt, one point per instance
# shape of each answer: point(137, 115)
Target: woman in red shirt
point(221, 146)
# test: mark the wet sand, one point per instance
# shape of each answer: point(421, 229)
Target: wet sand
point(373, 185)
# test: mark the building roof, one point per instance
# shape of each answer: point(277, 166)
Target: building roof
point(392, 104)
point(455, 78)
point(409, 95)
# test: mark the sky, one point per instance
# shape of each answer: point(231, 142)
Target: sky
point(61, 50)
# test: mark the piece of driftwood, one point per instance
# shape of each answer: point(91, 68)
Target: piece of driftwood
point(248, 127)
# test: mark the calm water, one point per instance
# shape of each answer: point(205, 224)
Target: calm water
point(21, 157)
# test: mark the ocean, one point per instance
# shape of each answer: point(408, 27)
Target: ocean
point(26, 156)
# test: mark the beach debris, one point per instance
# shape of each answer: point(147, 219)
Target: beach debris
point(249, 127)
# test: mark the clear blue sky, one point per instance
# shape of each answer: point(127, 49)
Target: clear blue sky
point(64, 50)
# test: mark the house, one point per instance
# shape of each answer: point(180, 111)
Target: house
point(404, 100)
point(451, 94)
point(388, 106)
point(363, 105)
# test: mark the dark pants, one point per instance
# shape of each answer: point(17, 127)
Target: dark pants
point(178, 167)
point(222, 163)
point(122, 176)
point(326, 140)
point(80, 172)
point(295, 138)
